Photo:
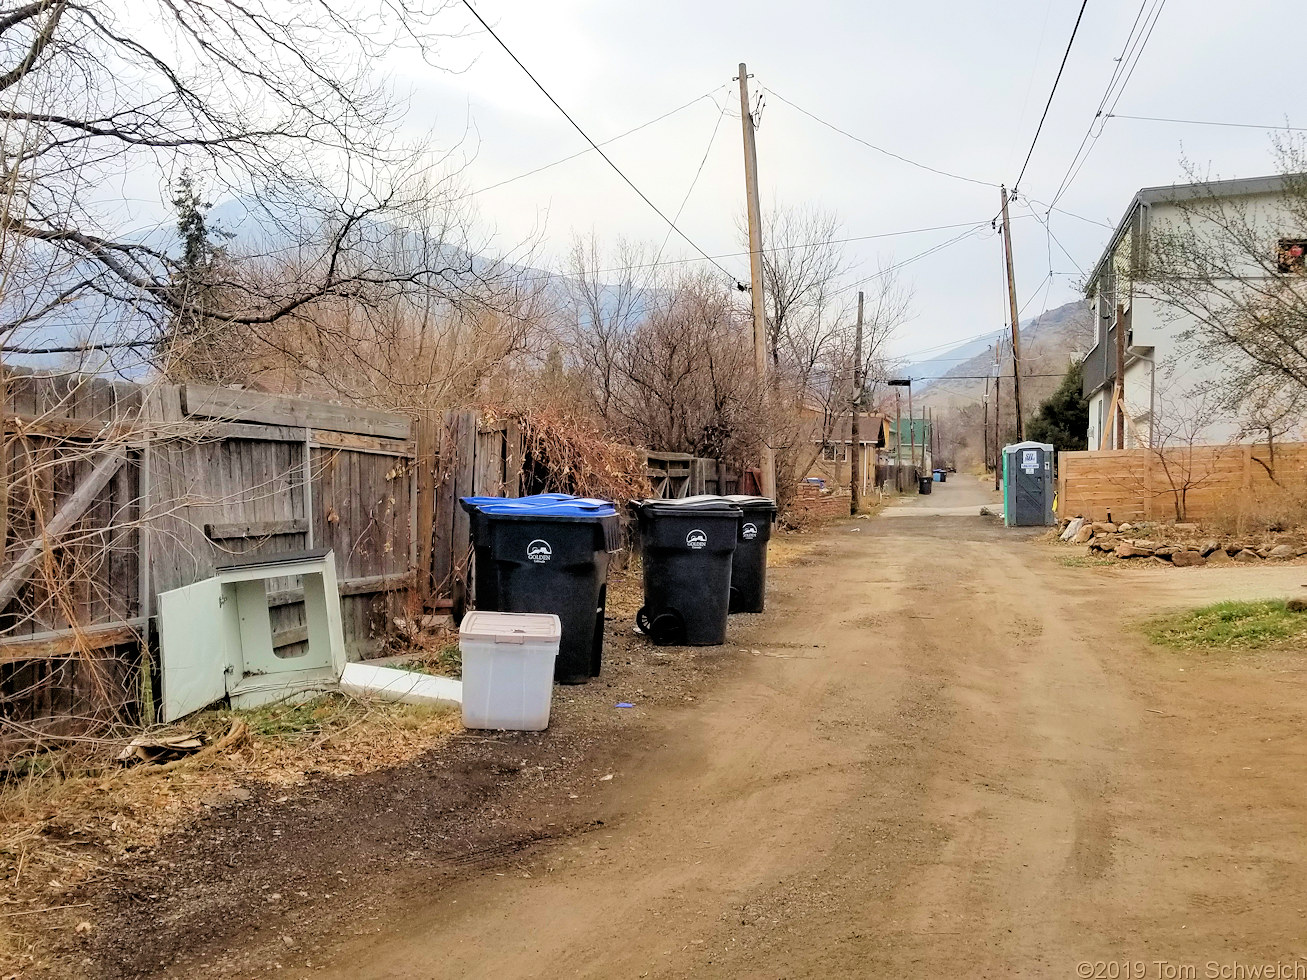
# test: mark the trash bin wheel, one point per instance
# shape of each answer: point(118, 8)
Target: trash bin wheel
point(662, 626)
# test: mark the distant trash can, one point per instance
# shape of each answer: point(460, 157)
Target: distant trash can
point(1028, 487)
point(687, 547)
point(749, 563)
point(924, 484)
point(939, 476)
point(549, 554)
point(508, 669)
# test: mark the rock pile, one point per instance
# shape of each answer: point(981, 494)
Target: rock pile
point(1180, 544)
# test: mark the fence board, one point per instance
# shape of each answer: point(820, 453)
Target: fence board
point(256, 406)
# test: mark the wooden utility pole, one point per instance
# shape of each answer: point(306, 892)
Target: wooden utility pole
point(754, 210)
point(855, 467)
point(1119, 400)
point(1016, 338)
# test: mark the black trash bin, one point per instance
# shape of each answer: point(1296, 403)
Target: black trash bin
point(550, 555)
point(687, 546)
point(749, 563)
point(925, 483)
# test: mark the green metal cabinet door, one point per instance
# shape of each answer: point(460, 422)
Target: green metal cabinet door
point(193, 651)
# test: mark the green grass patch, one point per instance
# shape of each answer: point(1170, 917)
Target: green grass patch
point(1230, 626)
point(296, 718)
point(1086, 561)
point(447, 661)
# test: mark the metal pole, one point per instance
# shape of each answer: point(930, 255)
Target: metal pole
point(912, 435)
point(855, 470)
point(898, 441)
point(1118, 441)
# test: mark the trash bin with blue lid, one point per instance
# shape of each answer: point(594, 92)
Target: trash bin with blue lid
point(687, 546)
point(548, 554)
point(484, 580)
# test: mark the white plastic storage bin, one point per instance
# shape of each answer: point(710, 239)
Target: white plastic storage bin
point(508, 669)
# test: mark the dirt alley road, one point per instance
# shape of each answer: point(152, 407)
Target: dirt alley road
point(946, 760)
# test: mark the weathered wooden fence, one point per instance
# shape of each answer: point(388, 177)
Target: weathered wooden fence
point(683, 475)
point(459, 455)
point(1183, 483)
point(114, 492)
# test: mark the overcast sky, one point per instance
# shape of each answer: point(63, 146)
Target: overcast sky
point(958, 86)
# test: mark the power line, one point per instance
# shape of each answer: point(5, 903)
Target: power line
point(595, 146)
point(581, 153)
point(1207, 122)
point(1048, 231)
point(982, 377)
point(1049, 104)
point(920, 255)
point(686, 200)
point(1131, 52)
point(969, 225)
point(1069, 214)
point(879, 149)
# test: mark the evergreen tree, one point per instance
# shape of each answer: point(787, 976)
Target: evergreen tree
point(189, 349)
point(1063, 419)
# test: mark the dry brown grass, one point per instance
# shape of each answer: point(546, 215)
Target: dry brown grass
point(70, 818)
point(1259, 513)
point(789, 548)
point(626, 591)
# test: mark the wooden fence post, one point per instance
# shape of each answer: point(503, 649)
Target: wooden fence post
point(428, 455)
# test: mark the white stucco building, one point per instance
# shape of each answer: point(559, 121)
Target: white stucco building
point(1167, 387)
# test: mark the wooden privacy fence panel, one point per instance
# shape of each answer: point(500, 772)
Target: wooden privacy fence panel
point(674, 475)
point(1183, 483)
point(474, 459)
point(113, 492)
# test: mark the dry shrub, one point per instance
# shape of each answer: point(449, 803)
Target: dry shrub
point(1264, 511)
point(565, 452)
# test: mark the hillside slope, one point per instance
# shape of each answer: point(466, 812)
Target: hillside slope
point(1047, 343)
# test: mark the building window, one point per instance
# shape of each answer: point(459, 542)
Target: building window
point(1289, 255)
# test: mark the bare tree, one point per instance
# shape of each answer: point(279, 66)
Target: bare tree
point(686, 380)
point(1235, 272)
point(800, 267)
point(278, 111)
point(1181, 459)
point(601, 315)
